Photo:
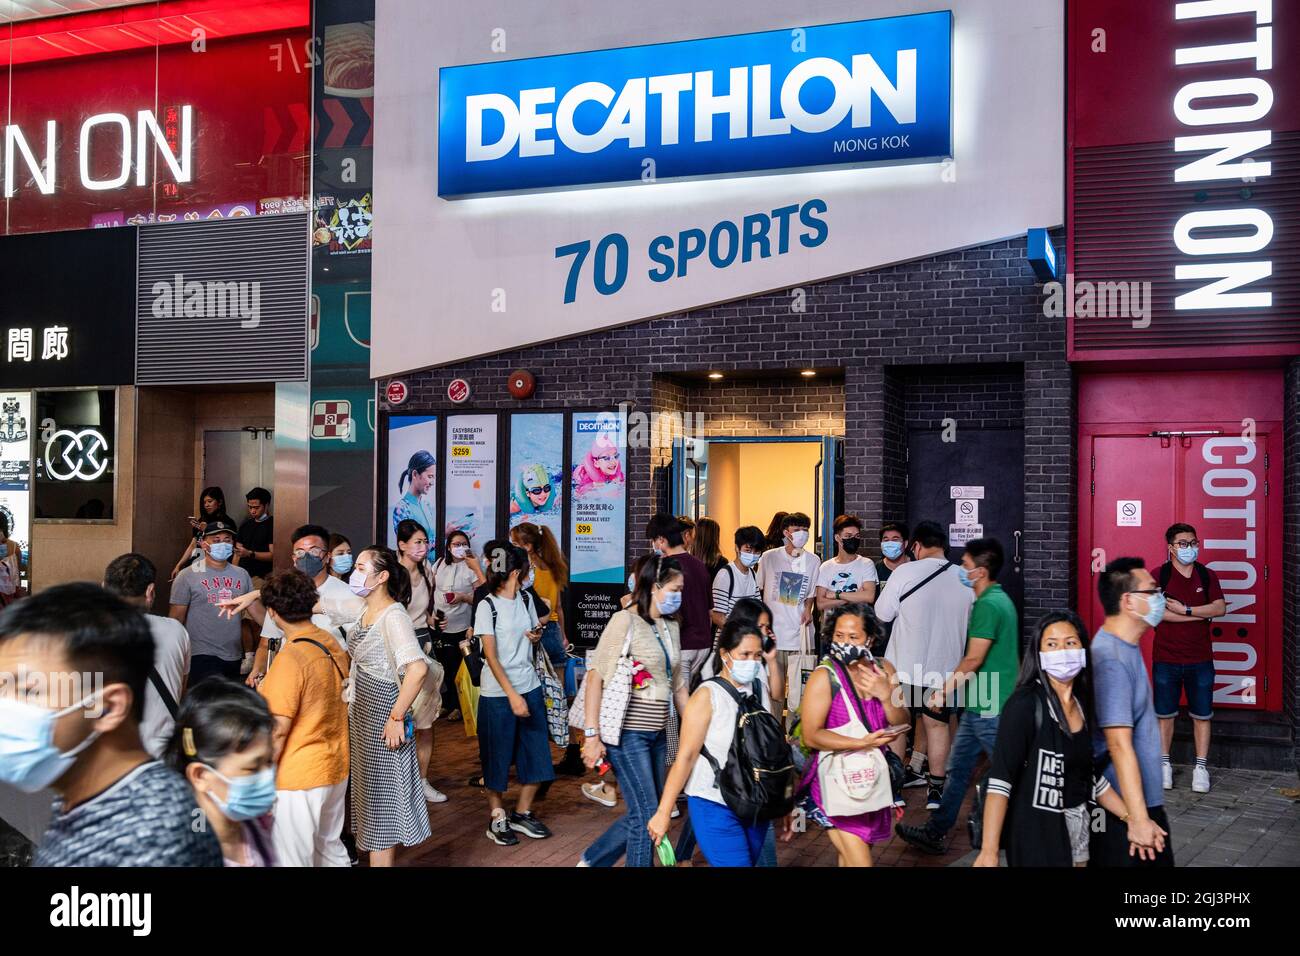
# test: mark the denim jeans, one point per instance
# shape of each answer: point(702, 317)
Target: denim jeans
point(553, 644)
point(638, 761)
point(975, 734)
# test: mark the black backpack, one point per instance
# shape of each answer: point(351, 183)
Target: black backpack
point(758, 781)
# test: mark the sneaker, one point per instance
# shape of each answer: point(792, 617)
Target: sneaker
point(433, 794)
point(499, 831)
point(922, 838)
point(675, 814)
point(598, 793)
point(1201, 779)
point(913, 779)
point(1167, 775)
point(246, 665)
point(899, 801)
point(529, 826)
point(934, 797)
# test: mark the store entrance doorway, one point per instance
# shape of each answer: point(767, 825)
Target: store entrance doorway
point(745, 481)
point(237, 461)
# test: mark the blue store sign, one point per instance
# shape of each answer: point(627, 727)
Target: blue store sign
point(845, 93)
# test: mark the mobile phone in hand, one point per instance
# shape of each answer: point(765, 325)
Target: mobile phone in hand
point(896, 729)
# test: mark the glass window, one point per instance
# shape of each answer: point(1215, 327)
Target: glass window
point(76, 454)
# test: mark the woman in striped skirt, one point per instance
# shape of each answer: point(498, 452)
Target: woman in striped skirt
point(388, 668)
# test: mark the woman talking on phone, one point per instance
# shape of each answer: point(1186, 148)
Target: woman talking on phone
point(848, 693)
point(511, 708)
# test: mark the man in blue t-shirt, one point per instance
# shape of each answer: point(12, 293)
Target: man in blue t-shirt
point(1126, 735)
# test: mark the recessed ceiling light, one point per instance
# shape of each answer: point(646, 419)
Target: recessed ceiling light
point(807, 373)
point(715, 375)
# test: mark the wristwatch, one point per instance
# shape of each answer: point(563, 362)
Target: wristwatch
point(590, 731)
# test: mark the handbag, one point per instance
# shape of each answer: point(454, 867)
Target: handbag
point(614, 695)
point(467, 694)
point(853, 782)
point(797, 669)
point(557, 708)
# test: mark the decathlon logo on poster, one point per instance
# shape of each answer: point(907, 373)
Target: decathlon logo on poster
point(82, 454)
point(868, 91)
point(1049, 789)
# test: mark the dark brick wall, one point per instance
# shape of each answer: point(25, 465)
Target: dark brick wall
point(979, 398)
point(1291, 554)
point(976, 307)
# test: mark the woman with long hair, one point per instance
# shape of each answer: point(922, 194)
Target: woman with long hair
point(1042, 777)
point(413, 551)
point(456, 575)
point(707, 546)
point(414, 484)
point(648, 627)
point(775, 533)
point(212, 505)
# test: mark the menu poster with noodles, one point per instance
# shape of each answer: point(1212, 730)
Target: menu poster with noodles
point(471, 482)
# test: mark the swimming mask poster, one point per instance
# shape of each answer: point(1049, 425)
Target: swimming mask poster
point(413, 473)
point(537, 471)
point(472, 478)
point(599, 490)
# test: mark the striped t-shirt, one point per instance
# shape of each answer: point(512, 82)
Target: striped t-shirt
point(730, 585)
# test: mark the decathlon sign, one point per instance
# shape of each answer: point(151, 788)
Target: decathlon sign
point(844, 93)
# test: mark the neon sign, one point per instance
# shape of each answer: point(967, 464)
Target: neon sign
point(175, 149)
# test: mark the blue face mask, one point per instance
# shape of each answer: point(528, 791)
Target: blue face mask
point(748, 558)
point(247, 798)
point(893, 550)
point(671, 602)
point(1155, 609)
point(28, 758)
point(964, 576)
point(221, 551)
point(341, 563)
point(744, 672)
point(1188, 555)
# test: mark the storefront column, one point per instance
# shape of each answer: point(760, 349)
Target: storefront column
point(292, 477)
point(1291, 553)
point(1049, 533)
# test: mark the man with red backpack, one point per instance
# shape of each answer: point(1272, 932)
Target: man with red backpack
point(1183, 657)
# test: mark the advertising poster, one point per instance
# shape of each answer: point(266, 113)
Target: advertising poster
point(412, 473)
point(537, 471)
point(599, 490)
point(16, 464)
point(472, 478)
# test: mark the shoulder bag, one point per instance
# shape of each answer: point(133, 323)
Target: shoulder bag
point(614, 696)
point(853, 782)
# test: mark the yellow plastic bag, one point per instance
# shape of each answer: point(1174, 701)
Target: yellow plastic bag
point(468, 695)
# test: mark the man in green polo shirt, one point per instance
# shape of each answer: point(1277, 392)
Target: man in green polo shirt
point(986, 677)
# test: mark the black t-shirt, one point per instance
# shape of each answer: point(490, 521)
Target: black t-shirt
point(1078, 768)
point(256, 536)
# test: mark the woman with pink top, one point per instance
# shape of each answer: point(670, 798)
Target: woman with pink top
point(850, 677)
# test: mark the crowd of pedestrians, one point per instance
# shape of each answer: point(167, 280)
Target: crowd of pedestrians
point(751, 692)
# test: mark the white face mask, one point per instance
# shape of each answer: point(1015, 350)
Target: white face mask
point(799, 538)
point(1063, 665)
point(744, 672)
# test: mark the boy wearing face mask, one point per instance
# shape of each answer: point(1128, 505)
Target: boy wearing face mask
point(847, 578)
point(738, 580)
point(893, 555)
point(88, 748)
point(980, 684)
point(215, 639)
point(1126, 733)
point(1183, 652)
point(310, 554)
point(786, 576)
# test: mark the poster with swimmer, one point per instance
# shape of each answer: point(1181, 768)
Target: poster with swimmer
point(599, 490)
point(471, 491)
point(537, 471)
point(412, 473)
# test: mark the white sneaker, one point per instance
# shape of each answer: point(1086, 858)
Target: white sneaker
point(1167, 775)
point(432, 794)
point(246, 665)
point(1201, 779)
point(675, 814)
point(598, 793)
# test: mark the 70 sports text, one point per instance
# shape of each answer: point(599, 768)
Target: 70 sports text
point(760, 235)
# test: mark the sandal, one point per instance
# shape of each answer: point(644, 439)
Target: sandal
point(476, 782)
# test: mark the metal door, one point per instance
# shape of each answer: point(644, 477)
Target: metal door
point(238, 461)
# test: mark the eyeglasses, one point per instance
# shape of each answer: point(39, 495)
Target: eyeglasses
point(541, 490)
point(606, 458)
point(1148, 591)
point(299, 552)
point(1186, 544)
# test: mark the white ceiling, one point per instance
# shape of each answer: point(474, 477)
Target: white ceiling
point(12, 10)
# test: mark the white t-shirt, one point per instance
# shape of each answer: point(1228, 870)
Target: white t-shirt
point(847, 576)
point(514, 649)
point(929, 636)
point(787, 583)
point(171, 658)
point(742, 584)
point(453, 576)
point(334, 588)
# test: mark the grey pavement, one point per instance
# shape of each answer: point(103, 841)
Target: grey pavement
point(1243, 821)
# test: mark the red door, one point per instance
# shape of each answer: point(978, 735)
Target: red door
point(1216, 479)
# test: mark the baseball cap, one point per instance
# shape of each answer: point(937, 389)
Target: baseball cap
point(217, 525)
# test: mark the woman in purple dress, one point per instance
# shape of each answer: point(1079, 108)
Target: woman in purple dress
point(850, 678)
